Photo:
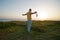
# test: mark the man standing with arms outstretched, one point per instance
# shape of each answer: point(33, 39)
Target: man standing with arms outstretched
point(29, 21)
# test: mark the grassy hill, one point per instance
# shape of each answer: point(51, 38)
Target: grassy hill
point(41, 30)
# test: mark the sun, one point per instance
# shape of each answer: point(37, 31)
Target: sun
point(43, 16)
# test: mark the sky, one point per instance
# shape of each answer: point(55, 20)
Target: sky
point(15, 9)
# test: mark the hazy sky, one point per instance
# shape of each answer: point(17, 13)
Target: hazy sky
point(15, 8)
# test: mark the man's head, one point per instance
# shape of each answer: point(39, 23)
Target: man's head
point(29, 9)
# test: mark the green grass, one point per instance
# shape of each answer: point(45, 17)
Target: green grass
point(41, 30)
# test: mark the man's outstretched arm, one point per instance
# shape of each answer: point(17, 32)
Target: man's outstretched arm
point(24, 14)
point(34, 12)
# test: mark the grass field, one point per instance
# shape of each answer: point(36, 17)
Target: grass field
point(41, 30)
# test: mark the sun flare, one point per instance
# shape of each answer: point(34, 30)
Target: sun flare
point(43, 16)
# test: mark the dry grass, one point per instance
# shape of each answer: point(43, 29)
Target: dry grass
point(41, 30)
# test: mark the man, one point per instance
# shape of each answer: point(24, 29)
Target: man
point(29, 21)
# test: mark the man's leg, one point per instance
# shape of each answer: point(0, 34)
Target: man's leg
point(29, 23)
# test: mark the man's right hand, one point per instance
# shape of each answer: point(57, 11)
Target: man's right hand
point(35, 12)
point(23, 14)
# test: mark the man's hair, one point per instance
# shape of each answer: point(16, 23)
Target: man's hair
point(29, 9)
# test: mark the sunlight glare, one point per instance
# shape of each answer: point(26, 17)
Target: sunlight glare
point(43, 16)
